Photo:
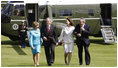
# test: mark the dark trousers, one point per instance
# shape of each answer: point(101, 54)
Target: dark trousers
point(80, 46)
point(22, 37)
point(49, 52)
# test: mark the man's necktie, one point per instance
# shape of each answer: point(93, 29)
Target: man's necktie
point(48, 29)
point(80, 30)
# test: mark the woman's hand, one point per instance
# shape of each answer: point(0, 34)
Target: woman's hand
point(57, 44)
point(32, 47)
point(45, 38)
point(62, 42)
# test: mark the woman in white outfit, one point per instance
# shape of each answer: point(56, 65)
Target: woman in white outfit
point(67, 37)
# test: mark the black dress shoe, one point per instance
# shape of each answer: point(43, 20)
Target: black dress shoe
point(52, 62)
point(87, 64)
point(49, 64)
point(80, 64)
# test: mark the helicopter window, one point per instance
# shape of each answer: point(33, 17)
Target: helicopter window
point(22, 6)
point(65, 12)
point(61, 12)
point(19, 10)
point(91, 12)
point(8, 9)
point(53, 13)
point(3, 4)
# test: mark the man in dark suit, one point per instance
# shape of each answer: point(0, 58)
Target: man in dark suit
point(49, 34)
point(82, 32)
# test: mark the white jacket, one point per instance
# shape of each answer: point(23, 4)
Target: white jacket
point(67, 34)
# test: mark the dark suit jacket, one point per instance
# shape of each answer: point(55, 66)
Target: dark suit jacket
point(84, 34)
point(21, 27)
point(51, 36)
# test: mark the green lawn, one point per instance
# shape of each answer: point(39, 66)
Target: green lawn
point(102, 55)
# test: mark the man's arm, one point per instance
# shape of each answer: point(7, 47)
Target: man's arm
point(42, 33)
point(55, 34)
point(88, 31)
point(75, 30)
point(31, 41)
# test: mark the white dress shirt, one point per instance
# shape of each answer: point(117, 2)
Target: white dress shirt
point(67, 34)
point(49, 26)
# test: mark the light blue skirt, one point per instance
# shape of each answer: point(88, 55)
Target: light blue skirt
point(37, 48)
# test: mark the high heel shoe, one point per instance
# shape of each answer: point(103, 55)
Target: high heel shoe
point(35, 65)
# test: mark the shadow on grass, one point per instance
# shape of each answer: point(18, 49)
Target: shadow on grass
point(42, 65)
point(9, 42)
point(99, 41)
point(15, 45)
point(20, 65)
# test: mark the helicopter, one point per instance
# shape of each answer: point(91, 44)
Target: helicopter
point(101, 17)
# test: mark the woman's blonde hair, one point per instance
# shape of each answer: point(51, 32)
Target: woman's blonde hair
point(35, 24)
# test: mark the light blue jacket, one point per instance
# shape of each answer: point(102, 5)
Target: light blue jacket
point(35, 37)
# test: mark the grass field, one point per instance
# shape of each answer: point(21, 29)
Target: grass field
point(102, 55)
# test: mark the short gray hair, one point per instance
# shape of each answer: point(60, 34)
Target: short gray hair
point(49, 19)
point(83, 19)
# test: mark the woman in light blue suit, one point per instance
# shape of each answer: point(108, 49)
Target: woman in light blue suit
point(35, 43)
